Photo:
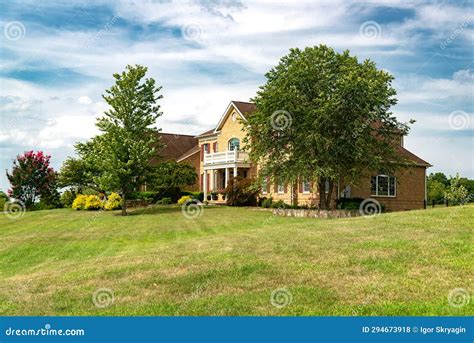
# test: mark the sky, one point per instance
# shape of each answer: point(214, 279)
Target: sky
point(58, 57)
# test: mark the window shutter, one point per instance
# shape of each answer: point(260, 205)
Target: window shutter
point(286, 188)
point(200, 183)
point(275, 187)
point(214, 146)
point(202, 152)
point(268, 184)
point(300, 186)
point(208, 181)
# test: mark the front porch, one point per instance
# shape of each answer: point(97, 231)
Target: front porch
point(219, 168)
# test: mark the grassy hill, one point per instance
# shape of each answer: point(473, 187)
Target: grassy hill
point(235, 261)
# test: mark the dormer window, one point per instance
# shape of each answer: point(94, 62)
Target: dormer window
point(234, 144)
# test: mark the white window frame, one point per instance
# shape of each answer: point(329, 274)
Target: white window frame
point(282, 186)
point(230, 140)
point(306, 183)
point(388, 185)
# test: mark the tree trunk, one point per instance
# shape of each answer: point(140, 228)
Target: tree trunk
point(325, 198)
point(124, 204)
point(322, 193)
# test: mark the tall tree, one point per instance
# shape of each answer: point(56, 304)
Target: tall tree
point(129, 136)
point(324, 116)
point(32, 178)
point(172, 174)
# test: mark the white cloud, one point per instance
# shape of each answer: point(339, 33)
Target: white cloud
point(85, 100)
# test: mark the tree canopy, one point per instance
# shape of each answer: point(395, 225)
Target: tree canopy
point(33, 178)
point(324, 116)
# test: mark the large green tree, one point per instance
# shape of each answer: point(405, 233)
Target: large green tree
point(129, 138)
point(324, 116)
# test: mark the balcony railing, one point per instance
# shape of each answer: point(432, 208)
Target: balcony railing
point(230, 156)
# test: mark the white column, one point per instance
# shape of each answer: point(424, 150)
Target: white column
point(211, 181)
point(235, 171)
point(204, 184)
point(226, 176)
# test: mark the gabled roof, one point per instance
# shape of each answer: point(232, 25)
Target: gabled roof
point(205, 134)
point(412, 157)
point(188, 153)
point(175, 146)
point(243, 109)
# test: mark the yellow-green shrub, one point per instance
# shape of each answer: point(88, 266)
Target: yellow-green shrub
point(93, 202)
point(80, 202)
point(114, 202)
point(183, 199)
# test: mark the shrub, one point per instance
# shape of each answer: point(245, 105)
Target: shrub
point(114, 202)
point(3, 200)
point(279, 204)
point(142, 195)
point(164, 201)
point(267, 202)
point(183, 199)
point(93, 203)
point(241, 192)
point(80, 202)
point(67, 198)
point(349, 203)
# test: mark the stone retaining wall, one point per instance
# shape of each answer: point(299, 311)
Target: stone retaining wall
point(315, 213)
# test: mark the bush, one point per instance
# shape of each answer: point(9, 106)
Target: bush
point(114, 202)
point(183, 199)
point(3, 200)
point(267, 202)
point(241, 192)
point(80, 202)
point(142, 195)
point(67, 198)
point(349, 203)
point(164, 201)
point(93, 203)
point(279, 204)
point(195, 195)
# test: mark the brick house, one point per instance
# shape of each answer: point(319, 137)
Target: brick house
point(179, 148)
point(220, 158)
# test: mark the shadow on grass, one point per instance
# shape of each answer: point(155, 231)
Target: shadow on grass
point(163, 209)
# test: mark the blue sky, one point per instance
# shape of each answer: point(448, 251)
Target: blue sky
point(58, 57)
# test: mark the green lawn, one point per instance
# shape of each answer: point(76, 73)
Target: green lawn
point(229, 261)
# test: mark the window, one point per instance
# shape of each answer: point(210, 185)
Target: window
point(206, 148)
point(281, 189)
point(383, 185)
point(306, 187)
point(234, 143)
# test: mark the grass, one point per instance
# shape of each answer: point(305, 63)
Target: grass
point(230, 261)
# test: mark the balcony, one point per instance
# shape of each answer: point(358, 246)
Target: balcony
point(226, 157)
